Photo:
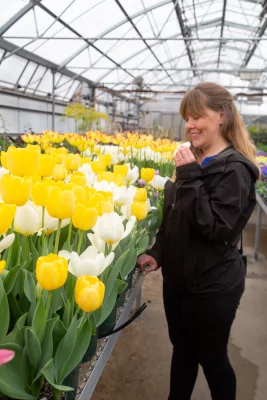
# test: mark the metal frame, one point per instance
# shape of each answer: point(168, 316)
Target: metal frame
point(262, 207)
point(95, 373)
point(189, 35)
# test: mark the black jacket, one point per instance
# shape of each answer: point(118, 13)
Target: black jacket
point(205, 210)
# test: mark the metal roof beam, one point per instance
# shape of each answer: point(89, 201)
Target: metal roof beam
point(252, 48)
point(81, 37)
point(109, 30)
point(222, 28)
point(185, 31)
point(139, 33)
point(16, 17)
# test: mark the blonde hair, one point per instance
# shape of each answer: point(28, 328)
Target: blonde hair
point(217, 98)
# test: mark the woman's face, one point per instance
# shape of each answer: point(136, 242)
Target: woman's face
point(205, 131)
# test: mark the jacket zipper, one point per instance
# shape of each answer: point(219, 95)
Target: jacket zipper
point(174, 199)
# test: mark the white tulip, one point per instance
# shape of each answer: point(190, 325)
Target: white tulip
point(111, 228)
point(90, 176)
point(90, 262)
point(105, 186)
point(7, 242)
point(96, 241)
point(132, 175)
point(158, 182)
point(124, 195)
point(3, 171)
point(27, 220)
point(50, 223)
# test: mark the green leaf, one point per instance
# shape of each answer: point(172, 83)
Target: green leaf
point(65, 349)
point(51, 243)
point(66, 315)
point(114, 273)
point(129, 263)
point(58, 334)
point(143, 241)
point(49, 373)
point(11, 277)
point(4, 313)
point(16, 335)
point(14, 307)
point(29, 288)
point(79, 350)
point(66, 246)
point(38, 321)
point(45, 247)
point(121, 286)
point(35, 254)
point(57, 301)
point(47, 344)
point(33, 348)
point(15, 254)
point(108, 305)
point(13, 381)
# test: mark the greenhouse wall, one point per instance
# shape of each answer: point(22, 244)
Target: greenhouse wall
point(21, 114)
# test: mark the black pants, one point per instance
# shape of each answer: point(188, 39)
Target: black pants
point(199, 330)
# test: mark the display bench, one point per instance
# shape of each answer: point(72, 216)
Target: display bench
point(91, 371)
point(262, 208)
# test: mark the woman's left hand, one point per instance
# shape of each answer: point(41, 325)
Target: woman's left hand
point(183, 156)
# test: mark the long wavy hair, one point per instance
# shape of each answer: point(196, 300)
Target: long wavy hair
point(217, 98)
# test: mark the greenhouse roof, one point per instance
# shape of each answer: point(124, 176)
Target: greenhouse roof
point(158, 44)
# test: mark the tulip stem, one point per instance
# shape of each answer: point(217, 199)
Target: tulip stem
point(43, 222)
point(80, 241)
point(69, 231)
point(57, 236)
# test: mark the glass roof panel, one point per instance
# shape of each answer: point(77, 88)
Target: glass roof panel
point(41, 31)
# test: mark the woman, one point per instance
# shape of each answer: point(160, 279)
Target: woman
point(205, 210)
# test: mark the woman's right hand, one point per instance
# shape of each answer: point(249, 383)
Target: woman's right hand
point(147, 264)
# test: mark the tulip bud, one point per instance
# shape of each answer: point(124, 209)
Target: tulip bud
point(121, 169)
point(60, 203)
point(89, 293)
point(23, 162)
point(51, 271)
point(7, 213)
point(72, 162)
point(46, 165)
point(2, 265)
point(141, 195)
point(139, 210)
point(39, 193)
point(59, 173)
point(15, 189)
point(4, 159)
point(78, 178)
point(106, 159)
point(147, 174)
point(84, 218)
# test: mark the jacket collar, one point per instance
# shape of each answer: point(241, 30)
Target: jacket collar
point(218, 162)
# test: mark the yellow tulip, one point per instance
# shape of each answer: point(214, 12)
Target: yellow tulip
point(141, 194)
point(15, 189)
point(147, 174)
point(80, 193)
point(23, 162)
point(105, 207)
point(105, 176)
point(119, 179)
point(72, 162)
point(39, 193)
point(59, 172)
point(51, 271)
point(94, 200)
point(89, 293)
point(2, 265)
point(139, 210)
point(7, 214)
point(46, 165)
point(4, 159)
point(121, 169)
point(98, 166)
point(106, 159)
point(85, 160)
point(60, 203)
point(84, 218)
point(78, 178)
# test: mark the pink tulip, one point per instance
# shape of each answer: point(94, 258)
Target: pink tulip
point(6, 356)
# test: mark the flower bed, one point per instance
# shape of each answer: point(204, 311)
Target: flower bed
point(73, 221)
